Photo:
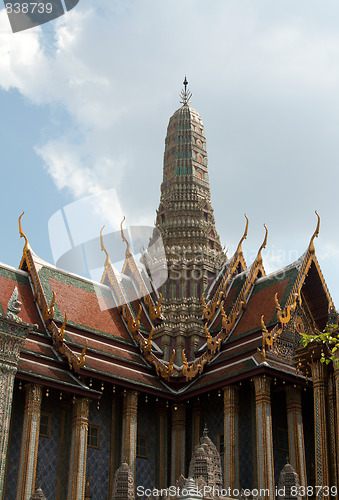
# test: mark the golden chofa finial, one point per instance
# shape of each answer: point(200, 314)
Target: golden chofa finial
point(22, 234)
point(103, 249)
point(128, 253)
point(244, 235)
point(263, 244)
point(315, 234)
point(185, 94)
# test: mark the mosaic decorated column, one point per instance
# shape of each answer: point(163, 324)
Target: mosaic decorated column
point(77, 465)
point(129, 429)
point(320, 428)
point(30, 442)
point(231, 436)
point(12, 338)
point(332, 432)
point(196, 423)
point(265, 461)
point(178, 442)
point(296, 432)
point(162, 445)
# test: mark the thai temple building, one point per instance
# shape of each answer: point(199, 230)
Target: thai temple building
point(111, 402)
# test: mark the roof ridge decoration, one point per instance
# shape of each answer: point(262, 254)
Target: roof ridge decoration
point(109, 272)
point(103, 249)
point(228, 322)
point(154, 309)
point(209, 311)
point(47, 311)
point(284, 316)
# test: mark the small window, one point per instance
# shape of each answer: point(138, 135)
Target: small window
point(141, 447)
point(45, 425)
point(93, 440)
point(283, 439)
point(221, 448)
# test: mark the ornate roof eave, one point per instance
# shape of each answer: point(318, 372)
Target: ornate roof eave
point(75, 362)
point(209, 311)
point(130, 264)
point(284, 316)
point(213, 344)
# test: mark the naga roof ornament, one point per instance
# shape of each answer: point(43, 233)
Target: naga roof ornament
point(47, 311)
point(315, 234)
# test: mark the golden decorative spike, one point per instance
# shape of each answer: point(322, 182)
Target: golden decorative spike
point(61, 332)
point(265, 239)
point(244, 235)
point(103, 249)
point(148, 342)
point(153, 310)
point(50, 310)
point(22, 234)
point(208, 335)
point(184, 358)
point(224, 320)
point(209, 312)
point(277, 305)
point(128, 249)
point(171, 363)
point(265, 335)
point(315, 234)
point(79, 362)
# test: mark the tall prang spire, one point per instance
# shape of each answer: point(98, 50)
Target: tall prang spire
point(186, 221)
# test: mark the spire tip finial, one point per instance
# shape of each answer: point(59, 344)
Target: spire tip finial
point(185, 94)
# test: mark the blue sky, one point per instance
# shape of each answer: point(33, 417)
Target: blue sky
point(85, 103)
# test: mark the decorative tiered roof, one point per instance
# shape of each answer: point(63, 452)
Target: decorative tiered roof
point(215, 321)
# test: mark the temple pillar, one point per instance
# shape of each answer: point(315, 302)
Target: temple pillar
point(129, 429)
point(29, 442)
point(231, 437)
point(179, 346)
point(296, 433)
point(12, 338)
point(320, 425)
point(178, 441)
point(196, 423)
point(165, 345)
point(265, 461)
point(162, 445)
point(332, 432)
point(77, 465)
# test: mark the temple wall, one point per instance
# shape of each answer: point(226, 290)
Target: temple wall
point(146, 467)
point(48, 451)
point(98, 460)
point(15, 443)
point(246, 434)
point(214, 418)
point(279, 431)
point(308, 420)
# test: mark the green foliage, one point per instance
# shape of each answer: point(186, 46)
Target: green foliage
point(329, 337)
